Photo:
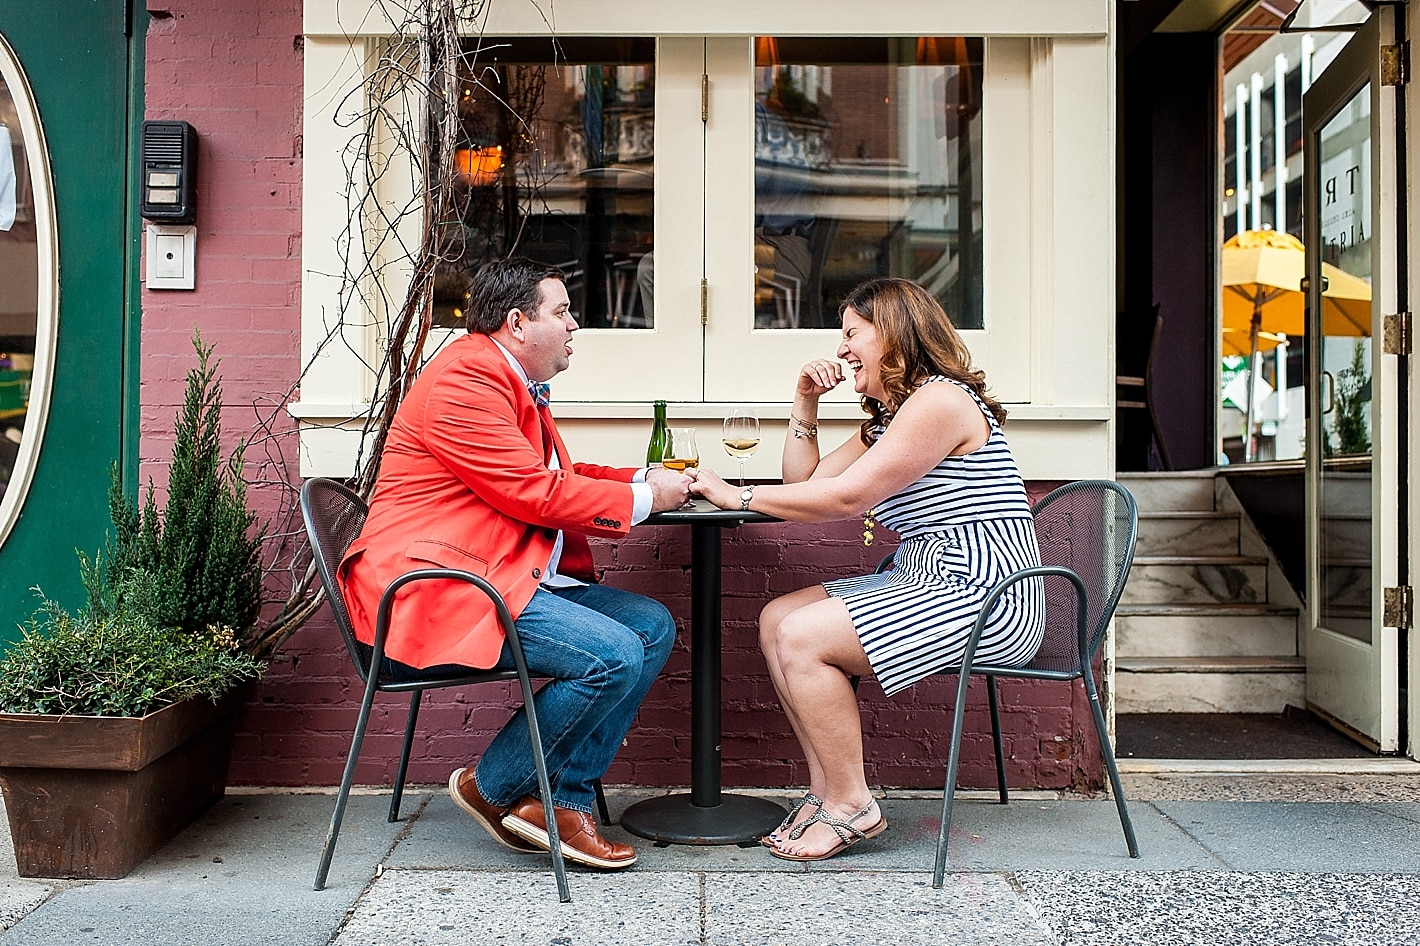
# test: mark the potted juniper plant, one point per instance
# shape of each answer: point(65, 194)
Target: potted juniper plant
point(116, 719)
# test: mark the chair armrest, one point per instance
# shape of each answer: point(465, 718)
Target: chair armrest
point(382, 621)
point(1082, 613)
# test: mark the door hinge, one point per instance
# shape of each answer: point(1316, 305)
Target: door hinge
point(1396, 607)
point(704, 302)
point(704, 99)
point(1395, 330)
point(1395, 64)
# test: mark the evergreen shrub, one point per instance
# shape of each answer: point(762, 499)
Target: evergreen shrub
point(173, 596)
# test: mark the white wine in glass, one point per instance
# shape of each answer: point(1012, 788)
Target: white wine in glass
point(681, 454)
point(741, 437)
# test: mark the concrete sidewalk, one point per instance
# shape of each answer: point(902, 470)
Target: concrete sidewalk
point(1256, 857)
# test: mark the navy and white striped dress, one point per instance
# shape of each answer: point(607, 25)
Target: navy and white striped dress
point(965, 526)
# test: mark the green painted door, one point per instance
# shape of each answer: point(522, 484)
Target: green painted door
point(79, 62)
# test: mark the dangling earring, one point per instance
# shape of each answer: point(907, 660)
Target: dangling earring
point(868, 524)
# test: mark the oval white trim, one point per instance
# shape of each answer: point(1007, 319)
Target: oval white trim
point(47, 303)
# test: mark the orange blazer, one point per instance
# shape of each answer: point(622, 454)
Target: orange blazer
point(464, 484)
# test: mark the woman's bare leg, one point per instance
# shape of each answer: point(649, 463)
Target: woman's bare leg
point(817, 650)
point(769, 621)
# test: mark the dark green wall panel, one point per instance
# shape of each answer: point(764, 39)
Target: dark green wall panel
point(85, 75)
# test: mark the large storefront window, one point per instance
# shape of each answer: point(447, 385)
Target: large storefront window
point(555, 162)
point(714, 187)
point(867, 163)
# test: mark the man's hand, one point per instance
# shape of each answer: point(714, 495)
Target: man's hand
point(669, 490)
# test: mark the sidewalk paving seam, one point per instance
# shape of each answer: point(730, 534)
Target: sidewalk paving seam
point(1191, 836)
point(410, 820)
point(702, 882)
point(1387, 808)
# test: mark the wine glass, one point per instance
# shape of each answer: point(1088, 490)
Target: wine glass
point(681, 454)
point(741, 437)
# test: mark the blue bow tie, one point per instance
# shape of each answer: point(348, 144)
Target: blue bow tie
point(540, 392)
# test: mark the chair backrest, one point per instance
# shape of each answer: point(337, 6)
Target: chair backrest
point(334, 516)
point(1088, 527)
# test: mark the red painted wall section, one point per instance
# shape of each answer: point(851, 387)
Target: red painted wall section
point(235, 71)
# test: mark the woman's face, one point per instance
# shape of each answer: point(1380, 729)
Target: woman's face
point(863, 353)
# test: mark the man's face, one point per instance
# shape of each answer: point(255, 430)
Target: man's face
point(546, 348)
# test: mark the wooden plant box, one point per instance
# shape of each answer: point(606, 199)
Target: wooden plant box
point(92, 796)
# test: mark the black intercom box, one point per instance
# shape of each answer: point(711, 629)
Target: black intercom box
point(169, 182)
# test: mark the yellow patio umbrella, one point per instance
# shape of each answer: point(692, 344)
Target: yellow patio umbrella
point(1263, 298)
point(1236, 341)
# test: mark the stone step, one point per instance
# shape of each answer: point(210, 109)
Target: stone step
point(1209, 684)
point(1201, 579)
point(1170, 492)
point(1342, 536)
point(1196, 532)
point(1346, 494)
point(1346, 584)
point(1227, 630)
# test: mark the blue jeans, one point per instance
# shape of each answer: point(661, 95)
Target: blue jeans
point(602, 649)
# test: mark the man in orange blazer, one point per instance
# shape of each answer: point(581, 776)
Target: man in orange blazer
point(474, 476)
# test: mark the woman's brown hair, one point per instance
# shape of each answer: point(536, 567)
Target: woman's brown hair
point(918, 341)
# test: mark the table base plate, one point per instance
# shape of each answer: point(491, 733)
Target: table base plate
point(674, 819)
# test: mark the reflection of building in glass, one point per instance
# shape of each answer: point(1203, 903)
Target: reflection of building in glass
point(555, 162)
point(867, 163)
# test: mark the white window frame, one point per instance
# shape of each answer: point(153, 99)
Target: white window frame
point(1048, 204)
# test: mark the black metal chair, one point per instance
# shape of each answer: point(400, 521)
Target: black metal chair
point(334, 517)
point(1086, 532)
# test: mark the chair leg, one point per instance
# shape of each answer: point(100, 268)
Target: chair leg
point(601, 803)
point(544, 786)
point(415, 699)
point(343, 796)
point(996, 737)
point(1110, 765)
point(949, 791)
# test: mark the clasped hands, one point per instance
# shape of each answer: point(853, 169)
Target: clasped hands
point(671, 490)
point(708, 485)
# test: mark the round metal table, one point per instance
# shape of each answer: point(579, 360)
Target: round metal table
point(704, 815)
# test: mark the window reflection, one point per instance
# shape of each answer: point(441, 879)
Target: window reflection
point(555, 162)
point(867, 163)
point(19, 286)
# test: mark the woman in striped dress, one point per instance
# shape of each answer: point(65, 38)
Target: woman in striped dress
point(930, 463)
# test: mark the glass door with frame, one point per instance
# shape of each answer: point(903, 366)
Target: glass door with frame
point(1354, 454)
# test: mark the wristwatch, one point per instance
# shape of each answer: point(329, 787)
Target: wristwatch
point(746, 495)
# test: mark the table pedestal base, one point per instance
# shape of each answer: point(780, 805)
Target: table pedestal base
point(674, 819)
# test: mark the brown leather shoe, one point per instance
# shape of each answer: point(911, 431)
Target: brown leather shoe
point(581, 842)
point(464, 790)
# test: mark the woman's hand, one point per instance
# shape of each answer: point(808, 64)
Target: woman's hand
point(708, 485)
point(818, 377)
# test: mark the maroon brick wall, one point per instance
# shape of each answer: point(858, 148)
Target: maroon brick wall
point(298, 730)
point(235, 72)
